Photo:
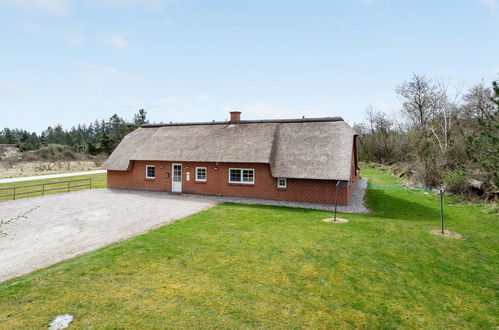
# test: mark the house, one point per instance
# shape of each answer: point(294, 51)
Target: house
point(291, 159)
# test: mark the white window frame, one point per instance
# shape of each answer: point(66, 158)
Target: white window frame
point(205, 174)
point(279, 183)
point(150, 177)
point(241, 170)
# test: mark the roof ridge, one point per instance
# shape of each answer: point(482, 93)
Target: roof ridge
point(261, 121)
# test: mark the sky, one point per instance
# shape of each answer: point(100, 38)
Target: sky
point(73, 61)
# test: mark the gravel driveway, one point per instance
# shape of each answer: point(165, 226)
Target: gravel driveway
point(46, 230)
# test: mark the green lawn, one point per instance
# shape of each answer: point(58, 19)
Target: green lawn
point(98, 181)
point(238, 266)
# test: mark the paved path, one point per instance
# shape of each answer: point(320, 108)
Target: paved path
point(46, 230)
point(50, 176)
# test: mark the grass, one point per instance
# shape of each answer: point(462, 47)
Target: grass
point(239, 266)
point(98, 181)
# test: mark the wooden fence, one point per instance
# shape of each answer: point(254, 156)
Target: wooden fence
point(44, 188)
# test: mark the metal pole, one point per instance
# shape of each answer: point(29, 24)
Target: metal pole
point(442, 210)
point(90, 183)
point(336, 201)
point(14, 193)
point(68, 185)
point(43, 189)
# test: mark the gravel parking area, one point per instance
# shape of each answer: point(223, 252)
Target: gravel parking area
point(46, 230)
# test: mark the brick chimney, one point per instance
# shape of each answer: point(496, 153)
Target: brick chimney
point(235, 116)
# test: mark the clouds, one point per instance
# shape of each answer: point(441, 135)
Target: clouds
point(65, 7)
point(52, 7)
point(75, 38)
point(116, 40)
point(100, 72)
point(148, 4)
point(492, 4)
point(8, 91)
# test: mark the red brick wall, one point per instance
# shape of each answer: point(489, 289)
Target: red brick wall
point(265, 186)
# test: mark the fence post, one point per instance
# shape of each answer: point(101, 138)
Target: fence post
point(14, 193)
point(43, 189)
point(69, 182)
point(90, 183)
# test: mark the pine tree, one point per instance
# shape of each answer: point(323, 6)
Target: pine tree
point(140, 118)
point(106, 144)
point(483, 148)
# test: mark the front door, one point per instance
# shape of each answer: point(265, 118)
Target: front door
point(177, 178)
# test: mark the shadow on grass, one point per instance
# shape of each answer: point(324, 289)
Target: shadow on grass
point(402, 205)
point(293, 209)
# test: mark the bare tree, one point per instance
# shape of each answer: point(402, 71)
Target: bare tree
point(444, 121)
point(478, 101)
point(379, 141)
point(421, 101)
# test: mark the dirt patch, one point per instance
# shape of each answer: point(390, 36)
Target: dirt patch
point(338, 220)
point(42, 167)
point(446, 233)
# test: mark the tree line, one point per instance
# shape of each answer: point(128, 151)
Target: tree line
point(443, 137)
point(95, 138)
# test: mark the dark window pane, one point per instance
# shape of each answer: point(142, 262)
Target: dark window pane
point(248, 175)
point(235, 175)
point(201, 174)
point(151, 172)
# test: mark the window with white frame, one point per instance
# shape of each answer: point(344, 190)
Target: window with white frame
point(150, 172)
point(242, 175)
point(201, 174)
point(281, 183)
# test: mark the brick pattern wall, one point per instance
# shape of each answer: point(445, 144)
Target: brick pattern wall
point(217, 183)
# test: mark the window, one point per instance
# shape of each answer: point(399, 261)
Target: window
point(150, 172)
point(201, 174)
point(241, 175)
point(281, 183)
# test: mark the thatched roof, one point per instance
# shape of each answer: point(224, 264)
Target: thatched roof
point(317, 148)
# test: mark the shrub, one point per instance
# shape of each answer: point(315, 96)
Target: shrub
point(68, 154)
point(99, 159)
point(30, 156)
point(456, 181)
point(47, 152)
